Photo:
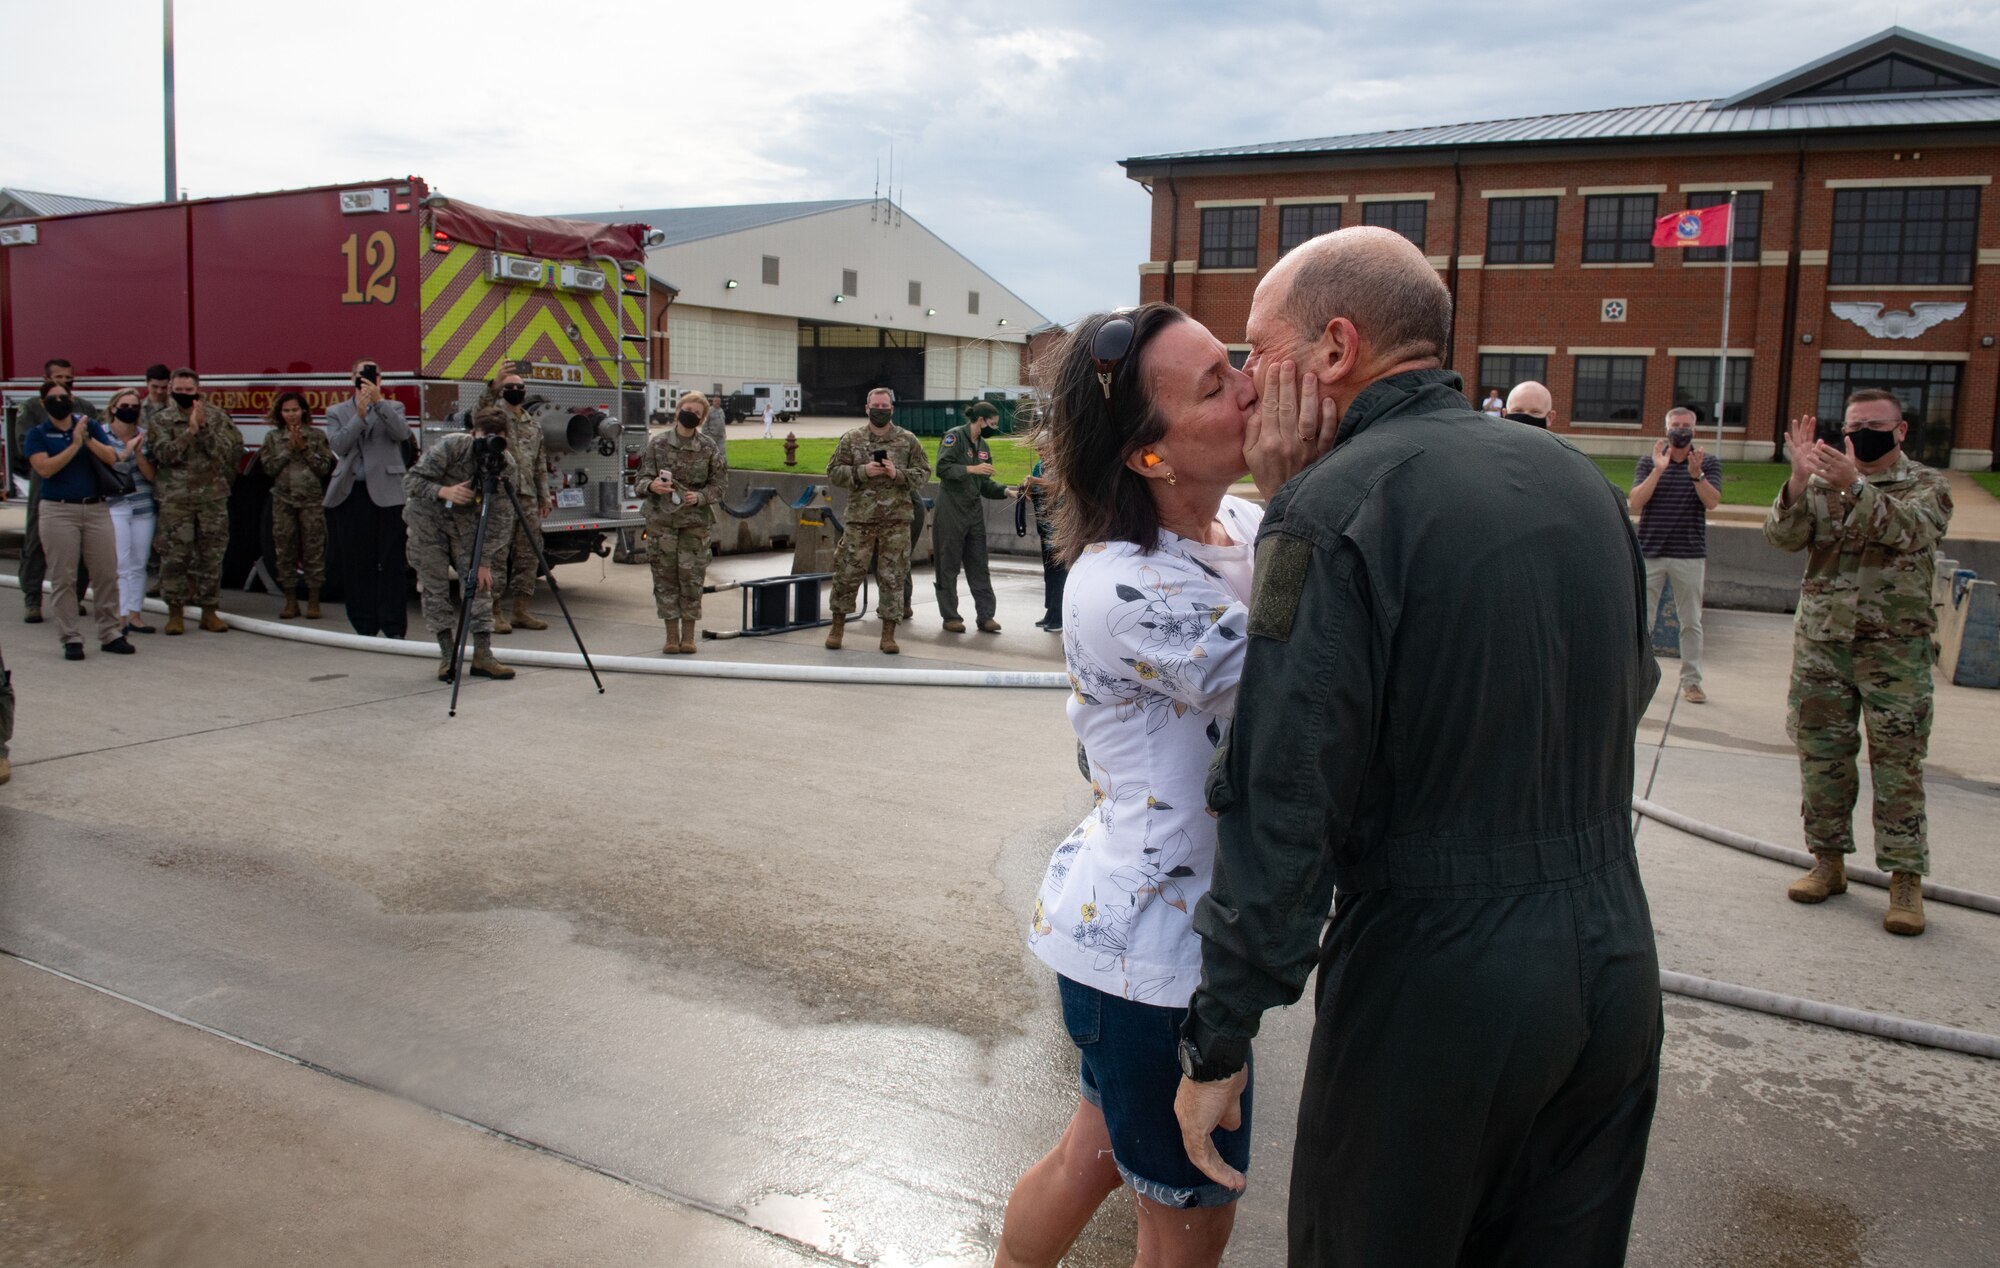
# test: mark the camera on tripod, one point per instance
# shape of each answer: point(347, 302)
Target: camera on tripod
point(489, 449)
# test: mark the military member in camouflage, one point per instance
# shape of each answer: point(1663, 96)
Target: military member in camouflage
point(509, 391)
point(196, 450)
point(683, 474)
point(441, 508)
point(1870, 521)
point(883, 467)
point(958, 534)
point(298, 459)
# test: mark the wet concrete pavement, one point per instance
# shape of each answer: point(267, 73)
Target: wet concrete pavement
point(757, 947)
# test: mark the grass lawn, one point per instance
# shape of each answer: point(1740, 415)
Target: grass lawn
point(1011, 458)
point(1987, 480)
point(1743, 483)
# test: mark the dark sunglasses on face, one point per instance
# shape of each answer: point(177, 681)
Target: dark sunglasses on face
point(1110, 345)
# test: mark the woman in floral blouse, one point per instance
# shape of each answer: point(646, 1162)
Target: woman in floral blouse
point(1149, 427)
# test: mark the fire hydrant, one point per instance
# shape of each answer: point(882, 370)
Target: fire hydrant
point(791, 449)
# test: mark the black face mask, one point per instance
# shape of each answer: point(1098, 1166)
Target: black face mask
point(881, 417)
point(184, 399)
point(1871, 445)
point(126, 413)
point(513, 395)
point(58, 407)
point(1529, 419)
point(688, 419)
point(1680, 437)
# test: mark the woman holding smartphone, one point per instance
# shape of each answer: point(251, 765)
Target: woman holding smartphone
point(132, 516)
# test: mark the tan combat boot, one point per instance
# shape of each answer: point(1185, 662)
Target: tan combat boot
point(833, 635)
point(954, 626)
point(175, 624)
point(672, 647)
point(500, 623)
point(291, 611)
point(312, 605)
point(987, 625)
point(6, 770)
point(211, 620)
point(889, 647)
point(524, 619)
point(1906, 904)
point(687, 637)
point(444, 658)
point(1828, 877)
point(483, 664)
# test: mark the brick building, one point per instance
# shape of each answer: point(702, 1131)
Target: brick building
point(1867, 246)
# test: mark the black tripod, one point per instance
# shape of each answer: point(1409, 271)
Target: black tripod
point(487, 476)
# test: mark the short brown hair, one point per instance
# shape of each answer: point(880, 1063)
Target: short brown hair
point(277, 414)
point(184, 373)
point(1867, 394)
point(1086, 439)
point(982, 409)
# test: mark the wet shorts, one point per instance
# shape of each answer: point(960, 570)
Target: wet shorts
point(1131, 1070)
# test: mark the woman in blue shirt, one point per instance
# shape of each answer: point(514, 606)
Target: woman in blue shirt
point(75, 523)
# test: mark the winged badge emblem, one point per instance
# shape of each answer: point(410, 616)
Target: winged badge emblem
point(1897, 325)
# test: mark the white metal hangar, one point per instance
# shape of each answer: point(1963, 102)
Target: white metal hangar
point(837, 297)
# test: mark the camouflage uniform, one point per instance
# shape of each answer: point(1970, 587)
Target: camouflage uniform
point(195, 470)
point(441, 534)
point(879, 512)
point(298, 494)
point(1862, 648)
point(524, 445)
point(677, 536)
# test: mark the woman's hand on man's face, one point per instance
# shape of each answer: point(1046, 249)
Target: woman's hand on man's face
point(1290, 428)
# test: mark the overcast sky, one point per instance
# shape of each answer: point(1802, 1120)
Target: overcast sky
point(1007, 116)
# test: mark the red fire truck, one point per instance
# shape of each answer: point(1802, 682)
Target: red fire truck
point(267, 292)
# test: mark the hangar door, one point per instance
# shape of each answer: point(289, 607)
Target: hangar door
point(838, 364)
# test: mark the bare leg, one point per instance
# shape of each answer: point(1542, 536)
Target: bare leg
point(1191, 1238)
point(1057, 1196)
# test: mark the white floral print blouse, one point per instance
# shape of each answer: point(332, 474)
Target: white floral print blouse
point(1155, 644)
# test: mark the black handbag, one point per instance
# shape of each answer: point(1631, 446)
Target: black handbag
point(111, 482)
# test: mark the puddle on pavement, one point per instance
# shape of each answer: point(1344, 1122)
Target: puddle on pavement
point(1806, 1230)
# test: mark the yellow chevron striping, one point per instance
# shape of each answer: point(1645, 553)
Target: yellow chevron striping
point(445, 271)
point(479, 348)
point(545, 325)
point(446, 324)
point(586, 323)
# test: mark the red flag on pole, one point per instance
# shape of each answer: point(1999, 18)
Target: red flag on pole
point(1708, 227)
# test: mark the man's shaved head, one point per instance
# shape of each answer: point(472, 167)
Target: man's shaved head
point(1375, 278)
point(1530, 398)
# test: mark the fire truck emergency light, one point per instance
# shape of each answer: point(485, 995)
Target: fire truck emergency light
point(573, 278)
point(20, 235)
point(441, 242)
point(355, 202)
point(515, 268)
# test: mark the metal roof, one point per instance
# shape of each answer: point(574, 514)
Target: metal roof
point(39, 204)
point(691, 224)
point(1713, 118)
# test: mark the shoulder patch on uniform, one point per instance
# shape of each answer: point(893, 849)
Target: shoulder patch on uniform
point(950, 439)
point(1279, 579)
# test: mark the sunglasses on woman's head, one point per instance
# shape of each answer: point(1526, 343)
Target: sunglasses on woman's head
point(1110, 345)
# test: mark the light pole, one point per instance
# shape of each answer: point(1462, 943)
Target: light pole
point(167, 76)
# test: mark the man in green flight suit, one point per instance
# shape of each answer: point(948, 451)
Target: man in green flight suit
point(1870, 521)
point(883, 467)
point(1445, 669)
point(958, 534)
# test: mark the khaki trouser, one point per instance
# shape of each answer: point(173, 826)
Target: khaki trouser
point(1688, 576)
point(71, 532)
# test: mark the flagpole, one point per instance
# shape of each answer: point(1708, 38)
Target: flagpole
point(1722, 359)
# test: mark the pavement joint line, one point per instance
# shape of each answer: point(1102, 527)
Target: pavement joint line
point(1666, 732)
point(500, 1134)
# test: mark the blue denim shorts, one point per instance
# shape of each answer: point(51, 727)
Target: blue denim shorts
point(1131, 1070)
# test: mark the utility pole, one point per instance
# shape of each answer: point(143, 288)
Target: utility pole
point(167, 75)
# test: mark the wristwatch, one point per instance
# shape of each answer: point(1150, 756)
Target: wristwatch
point(1194, 1067)
point(1854, 490)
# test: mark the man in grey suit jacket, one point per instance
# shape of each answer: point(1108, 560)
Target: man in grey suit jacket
point(364, 504)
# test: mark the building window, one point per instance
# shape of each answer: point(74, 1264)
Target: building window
point(972, 302)
point(1748, 226)
point(1694, 387)
point(1302, 221)
point(1888, 74)
point(1239, 357)
point(1903, 237)
point(850, 283)
point(916, 294)
point(1406, 218)
point(1520, 230)
point(1609, 390)
point(1927, 391)
point(1229, 237)
point(1502, 372)
point(1618, 228)
point(770, 270)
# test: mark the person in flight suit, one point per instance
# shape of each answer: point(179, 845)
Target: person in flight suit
point(958, 534)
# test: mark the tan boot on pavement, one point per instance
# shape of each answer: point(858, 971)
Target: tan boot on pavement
point(312, 605)
point(6, 770)
point(1906, 904)
point(444, 658)
point(1828, 877)
point(501, 625)
point(954, 626)
point(291, 608)
point(211, 620)
point(687, 637)
point(1693, 694)
point(672, 647)
point(889, 647)
point(483, 664)
point(524, 619)
point(176, 622)
point(987, 625)
point(833, 635)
